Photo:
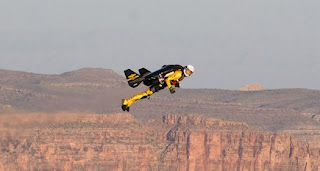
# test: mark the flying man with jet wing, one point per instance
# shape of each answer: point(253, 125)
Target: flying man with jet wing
point(168, 76)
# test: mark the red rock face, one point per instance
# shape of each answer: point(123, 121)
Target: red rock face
point(119, 142)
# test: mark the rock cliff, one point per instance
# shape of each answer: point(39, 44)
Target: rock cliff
point(120, 142)
point(252, 87)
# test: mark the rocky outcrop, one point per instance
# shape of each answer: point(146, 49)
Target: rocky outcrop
point(252, 87)
point(119, 142)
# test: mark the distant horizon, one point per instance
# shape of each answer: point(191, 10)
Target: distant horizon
point(266, 89)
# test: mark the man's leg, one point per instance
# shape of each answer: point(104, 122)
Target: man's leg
point(126, 103)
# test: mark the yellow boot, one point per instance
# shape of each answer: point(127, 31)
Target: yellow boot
point(126, 103)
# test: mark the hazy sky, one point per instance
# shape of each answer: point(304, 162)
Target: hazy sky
point(231, 43)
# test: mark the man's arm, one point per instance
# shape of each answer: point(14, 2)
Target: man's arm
point(175, 76)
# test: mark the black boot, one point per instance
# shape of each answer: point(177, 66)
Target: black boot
point(124, 107)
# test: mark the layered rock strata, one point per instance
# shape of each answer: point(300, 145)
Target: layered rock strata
point(120, 142)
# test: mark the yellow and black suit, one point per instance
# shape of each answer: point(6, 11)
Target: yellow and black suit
point(171, 78)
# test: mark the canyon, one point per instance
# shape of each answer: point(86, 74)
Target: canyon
point(73, 121)
point(79, 141)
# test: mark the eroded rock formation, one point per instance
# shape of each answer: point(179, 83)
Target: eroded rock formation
point(120, 142)
point(252, 87)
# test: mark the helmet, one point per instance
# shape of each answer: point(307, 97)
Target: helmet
point(190, 68)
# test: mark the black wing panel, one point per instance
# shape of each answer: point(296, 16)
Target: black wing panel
point(133, 78)
point(144, 71)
